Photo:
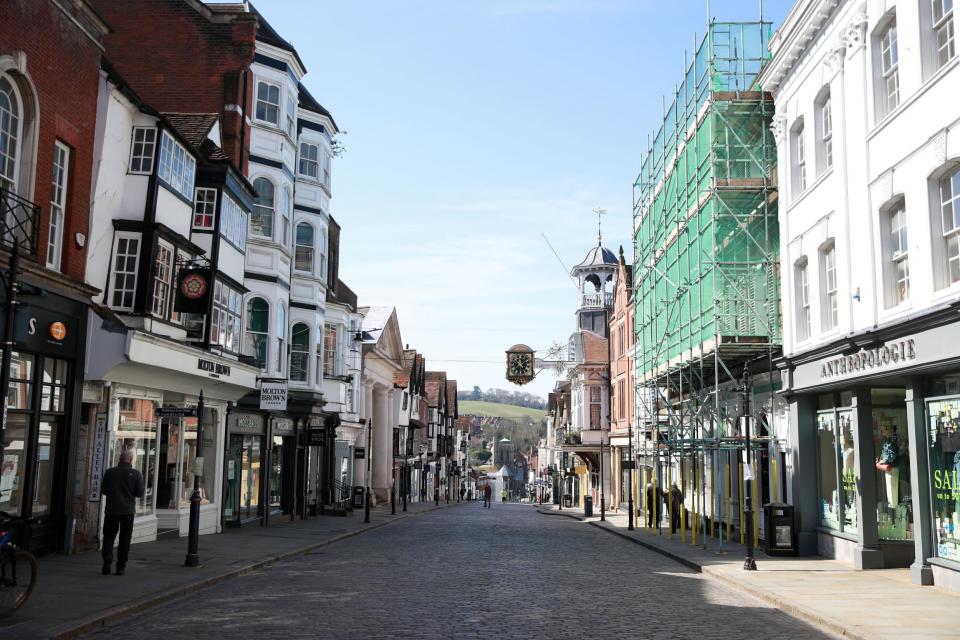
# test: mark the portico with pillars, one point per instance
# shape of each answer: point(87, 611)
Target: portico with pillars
point(382, 360)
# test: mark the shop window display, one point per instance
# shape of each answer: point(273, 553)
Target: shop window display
point(944, 442)
point(14, 462)
point(276, 468)
point(137, 432)
point(837, 471)
point(207, 480)
point(891, 450)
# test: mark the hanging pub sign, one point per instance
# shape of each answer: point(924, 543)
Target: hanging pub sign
point(521, 364)
point(193, 290)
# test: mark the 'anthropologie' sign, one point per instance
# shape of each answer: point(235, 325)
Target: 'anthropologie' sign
point(868, 360)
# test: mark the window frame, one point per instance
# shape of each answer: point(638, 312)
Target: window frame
point(828, 285)
point(249, 339)
point(60, 184)
point(266, 102)
point(143, 160)
point(331, 345)
point(305, 158)
point(16, 132)
point(259, 209)
point(281, 332)
point(180, 171)
point(212, 213)
point(226, 320)
point(134, 273)
point(824, 109)
point(888, 50)
point(799, 157)
point(290, 117)
point(305, 248)
point(161, 283)
point(300, 354)
point(801, 278)
point(951, 236)
point(945, 24)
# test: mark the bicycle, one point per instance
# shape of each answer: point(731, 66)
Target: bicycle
point(18, 567)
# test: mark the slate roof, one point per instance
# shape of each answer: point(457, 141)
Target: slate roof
point(436, 386)
point(269, 35)
point(306, 100)
point(195, 127)
point(598, 256)
point(452, 398)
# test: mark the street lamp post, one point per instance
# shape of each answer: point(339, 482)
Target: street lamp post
point(749, 563)
point(193, 538)
point(633, 463)
point(366, 497)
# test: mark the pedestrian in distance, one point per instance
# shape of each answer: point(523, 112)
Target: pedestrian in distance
point(487, 495)
point(503, 496)
point(676, 503)
point(653, 505)
point(121, 486)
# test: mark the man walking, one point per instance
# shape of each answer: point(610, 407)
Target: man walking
point(487, 495)
point(121, 485)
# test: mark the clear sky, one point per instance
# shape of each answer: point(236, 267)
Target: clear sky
point(475, 126)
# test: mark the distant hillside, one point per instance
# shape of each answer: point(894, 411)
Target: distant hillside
point(497, 410)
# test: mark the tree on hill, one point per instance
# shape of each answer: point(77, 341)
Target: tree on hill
point(502, 396)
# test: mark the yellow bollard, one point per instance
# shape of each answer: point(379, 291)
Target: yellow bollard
point(740, 500)
point(729, 514)
point(682, 505)
point(694, 514)
point(756, 510)
point(773, 472)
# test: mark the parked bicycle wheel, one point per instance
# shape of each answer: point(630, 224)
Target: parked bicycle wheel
point(14, 593)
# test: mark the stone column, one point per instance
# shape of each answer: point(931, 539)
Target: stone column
point(802, 446)
point(382, 443)
point(868, 554)
point(920, 571)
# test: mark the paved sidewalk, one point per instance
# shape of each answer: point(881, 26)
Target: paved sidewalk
point(868, 605)
point(72, 597)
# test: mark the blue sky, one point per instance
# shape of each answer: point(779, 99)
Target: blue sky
point(473, 127)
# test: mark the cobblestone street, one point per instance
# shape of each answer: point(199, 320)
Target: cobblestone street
point(406, 580)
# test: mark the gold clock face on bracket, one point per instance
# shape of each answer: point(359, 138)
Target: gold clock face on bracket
point(521, 364)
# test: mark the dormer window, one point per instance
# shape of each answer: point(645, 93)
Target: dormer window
point(268, 103)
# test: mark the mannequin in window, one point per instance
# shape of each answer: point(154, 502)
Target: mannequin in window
point(887, 463)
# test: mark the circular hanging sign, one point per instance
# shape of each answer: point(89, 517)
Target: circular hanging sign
point(57, 331)
point(193, 286)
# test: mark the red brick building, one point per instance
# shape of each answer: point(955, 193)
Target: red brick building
point(49, 72)
point(188, 57)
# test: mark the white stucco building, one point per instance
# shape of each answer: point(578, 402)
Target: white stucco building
point(869, 174)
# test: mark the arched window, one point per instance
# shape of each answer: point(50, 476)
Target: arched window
point(299, 353)
point(261, 221)
point(258, 330)
point(281, 336)
point(10, 134)
point(303, 251)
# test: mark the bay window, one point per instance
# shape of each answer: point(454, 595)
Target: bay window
point(225, 321)
point(257, 330)
point(233, 222)
point(303, 252)
point(330, 343)
point(268, 103)
point(261, 221)
point(308, 160)
point(204, 207)
point(299, 353)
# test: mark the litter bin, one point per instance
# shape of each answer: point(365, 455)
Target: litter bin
point(567, 500)
point(588, 506)
point(780, 528)
point(358, 497)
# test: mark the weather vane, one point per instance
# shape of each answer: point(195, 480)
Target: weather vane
point(599, 211)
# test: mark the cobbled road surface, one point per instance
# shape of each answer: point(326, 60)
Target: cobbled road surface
point(469, 572)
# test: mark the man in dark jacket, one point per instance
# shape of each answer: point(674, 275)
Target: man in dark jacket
point(121, 485)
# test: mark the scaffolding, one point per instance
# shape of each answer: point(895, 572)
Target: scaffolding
point(706, 275)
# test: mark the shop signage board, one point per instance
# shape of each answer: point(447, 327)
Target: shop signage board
point(247, 423)
point(892, 356)
point(315, 437)
point(283, 427)
point(359, 453)
point(273, 394)
point(99, 456)
point(177, 412)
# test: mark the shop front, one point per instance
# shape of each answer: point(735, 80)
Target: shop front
point(149, 403)
point(243, 469)
point(876, 429)
point(37, 463)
